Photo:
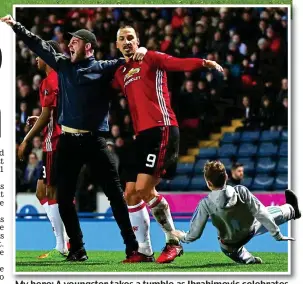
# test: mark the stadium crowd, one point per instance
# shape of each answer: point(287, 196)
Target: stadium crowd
point(251, 44)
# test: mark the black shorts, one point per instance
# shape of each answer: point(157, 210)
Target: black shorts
point(154, 152)
point(48, 168)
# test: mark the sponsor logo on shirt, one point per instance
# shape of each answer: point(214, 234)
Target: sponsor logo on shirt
point(131, 72)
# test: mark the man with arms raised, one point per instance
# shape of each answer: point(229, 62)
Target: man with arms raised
point(83, 112)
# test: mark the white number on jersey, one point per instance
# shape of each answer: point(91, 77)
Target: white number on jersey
point(44, 172)
point(151, 159)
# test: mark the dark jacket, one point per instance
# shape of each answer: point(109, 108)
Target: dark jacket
point(233, 182)
point(84, 86)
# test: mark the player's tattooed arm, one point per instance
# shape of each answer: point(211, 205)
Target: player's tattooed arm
point(42, 48)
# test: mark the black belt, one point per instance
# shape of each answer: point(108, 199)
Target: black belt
point(84, 134)
point(103, 134)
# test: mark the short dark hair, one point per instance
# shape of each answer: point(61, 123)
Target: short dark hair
point(236, 165)
point(55, 45)
point(127, 27)
point(215, 172)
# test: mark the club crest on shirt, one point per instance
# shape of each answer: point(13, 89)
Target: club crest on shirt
point(131, 72)
point(45, 92)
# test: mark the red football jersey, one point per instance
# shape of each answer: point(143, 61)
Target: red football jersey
point(48, 98)
point(145, 86)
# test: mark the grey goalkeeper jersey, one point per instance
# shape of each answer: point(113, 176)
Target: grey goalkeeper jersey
point(233, 211)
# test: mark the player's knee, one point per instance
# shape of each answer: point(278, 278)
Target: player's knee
point(40, 195)
point(130, 192)
point(51, 192)
point(41, 191)
point(146, 193)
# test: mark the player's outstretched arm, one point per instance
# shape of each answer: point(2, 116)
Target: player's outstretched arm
point(169, 63)
point(43, 49)
point(197, 225)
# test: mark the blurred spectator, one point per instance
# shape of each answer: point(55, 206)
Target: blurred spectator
point(37, 148)
point(115, 131)
point(32, 173)
point(23, 112)
point(111, 146)
point(283, 91)
point(239, 45)
point(36, 82)
point(266, 114)
point(127, 127)
point(86, 191)
point(178, 18)
point(275, 40)
point(248, 114)
point(281, 121)
point(36, 112)
point(237, 174)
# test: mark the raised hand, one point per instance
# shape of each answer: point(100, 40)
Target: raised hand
point(8, 19)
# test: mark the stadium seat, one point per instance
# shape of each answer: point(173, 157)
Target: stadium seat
point(269, 136)
point(283, 151)
point(230, 137)
point(164, 185)
point(227, 163)
point(247, 182)
point(227, 150)
point(197, 184)
point(199, 166)
point(267, 150)
point(281, 182)
point(185, 168)
point(208, 153)
point(265, 166)
point(247, 150)
point(262, 182)
point(282, 167)
point(284, 135)
point(250, 136)
point(179, 183)
point(249, 165)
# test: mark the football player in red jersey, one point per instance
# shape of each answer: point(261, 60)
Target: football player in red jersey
point(156, 147)
point(47, 122)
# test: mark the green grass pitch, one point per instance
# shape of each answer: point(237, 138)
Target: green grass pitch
point(110, 261)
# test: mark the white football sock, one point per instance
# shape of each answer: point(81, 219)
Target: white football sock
point(57, 226)
point(44, 203)
point(140, 221)
point(161, 212)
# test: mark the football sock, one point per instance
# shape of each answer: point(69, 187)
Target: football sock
point(44, 203)
point(161, 212)
point(140, 221)
point(57, 226)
